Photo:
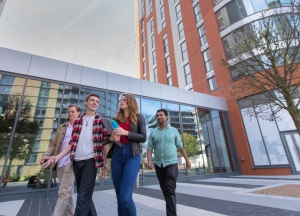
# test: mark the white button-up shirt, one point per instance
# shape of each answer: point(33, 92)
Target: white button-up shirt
point(65, 142)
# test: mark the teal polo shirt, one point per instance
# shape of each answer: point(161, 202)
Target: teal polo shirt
point(165, 143)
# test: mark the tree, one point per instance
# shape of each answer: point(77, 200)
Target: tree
point(264, 61)
point(25, 133)
point(190, 144)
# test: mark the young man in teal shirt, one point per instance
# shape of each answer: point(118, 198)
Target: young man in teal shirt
point(165, 140)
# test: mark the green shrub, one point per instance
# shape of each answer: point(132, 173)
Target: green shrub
point(14, 177)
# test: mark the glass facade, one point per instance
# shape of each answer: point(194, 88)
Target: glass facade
point(264, 138)
point(236, 39)
point(32, 109)
point(239, 9)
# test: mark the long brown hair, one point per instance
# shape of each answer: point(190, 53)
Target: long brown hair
point(132, 107)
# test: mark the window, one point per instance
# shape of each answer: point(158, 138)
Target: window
point(42, 102)
point(202, 35)
point(152, 41)
point(151, 26)
point(143, 52)
point(208, 66)
point(263, 135)
point(155, 74)
point(144, 68)
point(142, 25)
point(206, 55)
point(46, 84)
point(212, 83)
point(169, 80)
point(142, 10)
point(166, 45)
point(180, 30)
point(5, 79)
point(183, 51)
point(178, 12)
point(161, 2)
point(44, 92)
point(150, 6)
point(41, 123)
point(32, 159)
point(163, 24)
point(197, 12)
point(36, 146)
point(143, 39)
point(259, 5)
point(40, 112)
point(187, 73)
point(5, 89)
point(154, 57)
point(162, 12)
point(168, 65)
point(242, 9)
point(207, 60)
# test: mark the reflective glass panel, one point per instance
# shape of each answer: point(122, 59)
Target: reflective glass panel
point(221, 142)
point(85, 92)
point(284, 121)
point(212, 83)
point(9, 103)
point(70, 96)
point(272, 141)
point(173, 110)
point(255, 140)
point(191, 140)
point(209, 144)
point(112, 104)
point(36, 127)
point(148, 109)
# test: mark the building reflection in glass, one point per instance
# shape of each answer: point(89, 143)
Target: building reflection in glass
point(148, 110)
point(31, 110)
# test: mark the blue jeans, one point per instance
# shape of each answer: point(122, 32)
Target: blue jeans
point(124, 169)
point(85, 175)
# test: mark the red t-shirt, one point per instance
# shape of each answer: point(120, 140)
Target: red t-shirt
point(125, 126)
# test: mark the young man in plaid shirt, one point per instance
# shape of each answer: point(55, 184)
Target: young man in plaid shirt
point(88, 153)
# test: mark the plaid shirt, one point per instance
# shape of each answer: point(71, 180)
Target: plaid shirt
point(99, 136)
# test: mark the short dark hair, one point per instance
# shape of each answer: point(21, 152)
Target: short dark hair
point(91, 95)
point(163, 110)
point(76, 106)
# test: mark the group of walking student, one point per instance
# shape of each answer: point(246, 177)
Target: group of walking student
point(81, 146)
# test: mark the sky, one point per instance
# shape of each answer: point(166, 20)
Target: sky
point(94, 33)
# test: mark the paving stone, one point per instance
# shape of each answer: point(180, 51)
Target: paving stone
point(210, 197)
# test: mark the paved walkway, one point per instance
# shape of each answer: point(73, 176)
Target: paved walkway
point(207, 197)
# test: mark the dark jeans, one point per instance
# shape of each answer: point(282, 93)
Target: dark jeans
point(85, 175)
point(167, 177)
point(124, 169)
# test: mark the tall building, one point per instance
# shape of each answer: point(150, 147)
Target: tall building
point(34, 95)
point(182, 43)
